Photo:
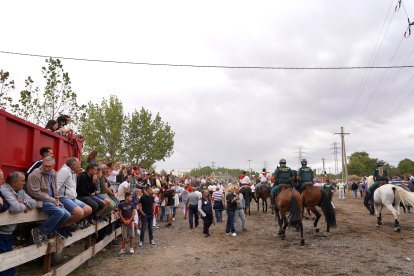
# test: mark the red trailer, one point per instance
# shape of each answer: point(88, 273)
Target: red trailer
point(20, 142)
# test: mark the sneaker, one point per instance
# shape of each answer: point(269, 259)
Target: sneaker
point(155, 227)
point(153, 242)
point(173, 219)
point(234, 235)
point(37, 237)
point(121, 252)
point(131, 251)
point(227, 234)
point(140, 243)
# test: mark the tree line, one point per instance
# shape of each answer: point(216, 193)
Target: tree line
point(140, 138)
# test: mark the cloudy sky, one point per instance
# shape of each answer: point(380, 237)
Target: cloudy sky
point(232, 115)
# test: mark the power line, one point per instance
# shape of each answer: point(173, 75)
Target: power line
point(213, 66)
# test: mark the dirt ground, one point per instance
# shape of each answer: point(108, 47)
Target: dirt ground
point(356, 246)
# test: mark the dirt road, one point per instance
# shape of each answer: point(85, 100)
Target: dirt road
point(356, 246)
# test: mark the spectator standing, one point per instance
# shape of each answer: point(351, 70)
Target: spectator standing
point(206, 211)
point(124, 186)
point(192, 205)
point(66, 185)
point(41, 186)
point(231, 200)
point(169, 204)
point(91, 159)
point(341, 188)
point(354, 188)
point(184, 198)
point(363, 188)
point(218, 205)
point(239, 213)
point(127, 213)
point(19, 202)
point(176, 203)
point(146, 209)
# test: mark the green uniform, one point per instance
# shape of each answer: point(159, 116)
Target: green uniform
point(306, 176)
point(283, 176)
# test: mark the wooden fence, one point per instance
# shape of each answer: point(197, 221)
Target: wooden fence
point(26, 254)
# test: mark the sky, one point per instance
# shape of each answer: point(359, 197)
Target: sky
point(230, 116)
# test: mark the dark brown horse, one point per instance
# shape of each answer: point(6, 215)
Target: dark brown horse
point(246, 191)
point(315, 196)
point(262, 192)
point(288, 201)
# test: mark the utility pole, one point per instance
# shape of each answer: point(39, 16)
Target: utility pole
point(323, 171)
point(300, 153)
point(344, 161)
point(250, 171)
point(335, 154)
point(212, 164)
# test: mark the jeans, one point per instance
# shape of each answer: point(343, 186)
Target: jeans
point(230, 222)
point(174, 211)
point(6, 244)
point(355, 193)
point(184, 206)
point(162, 213)
point(208, 221)
point(146, 220)
point(57, 216)
point(95, 203)
point(240, 214)
point(193, 212)
point(219, 214)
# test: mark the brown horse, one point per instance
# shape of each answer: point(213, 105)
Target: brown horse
point(262, 192)
point(288, 200)
point(315, 196)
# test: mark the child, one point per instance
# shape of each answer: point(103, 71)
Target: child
point(127, 213)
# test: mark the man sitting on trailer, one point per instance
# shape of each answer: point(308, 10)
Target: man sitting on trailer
point(41, 185)
point(44, 152)
point(19, 202)
point(66, 184)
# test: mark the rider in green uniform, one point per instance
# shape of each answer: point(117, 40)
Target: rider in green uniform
point(329, 188)
point(380, 175)
point(283, 175)
point(305, 175)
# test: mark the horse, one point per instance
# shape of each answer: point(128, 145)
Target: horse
point(369, 181)
point(388, 195)
point(313, 196)
point(262, 192)
point(246, 191)
point(289, 200)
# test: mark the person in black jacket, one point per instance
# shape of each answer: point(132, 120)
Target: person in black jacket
point(206, 210)
point(86, 188)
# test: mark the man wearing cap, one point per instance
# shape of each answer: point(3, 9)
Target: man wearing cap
point(305, 175)
point(283, 175)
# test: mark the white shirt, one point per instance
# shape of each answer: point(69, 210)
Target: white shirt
point(200, 195)
point(112, 176)
point(121, 188)
point(66, 182)
point(203, 181)
point(263, 178)
point(245, 180)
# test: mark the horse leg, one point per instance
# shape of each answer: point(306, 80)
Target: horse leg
point(302, 240)
point(317, 217)
point(258, 205)
point(279, 221)
point(285, 225)
point(266, 205)
point(396, 217)
point(378, 210)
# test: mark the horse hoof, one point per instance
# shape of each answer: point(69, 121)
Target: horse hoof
point(397, 229)
point(326, 234)
point(302, 242)
point(316, 230)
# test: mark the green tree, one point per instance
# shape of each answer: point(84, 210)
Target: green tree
point(406, 166)
point(57, 98)
point(148, 139)
point(6, 86)
point(361, 164)
point(103, 127)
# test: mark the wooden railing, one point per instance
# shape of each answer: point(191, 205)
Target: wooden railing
point(26, 254)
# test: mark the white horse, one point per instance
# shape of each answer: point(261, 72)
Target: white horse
point(390, 196)
point(369, 181)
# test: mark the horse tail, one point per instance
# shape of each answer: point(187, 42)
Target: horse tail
point(328, 209)
point(406, 197)
point(295, 214)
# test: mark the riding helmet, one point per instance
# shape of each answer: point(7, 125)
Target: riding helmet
point(282, 161)
point(304, 162)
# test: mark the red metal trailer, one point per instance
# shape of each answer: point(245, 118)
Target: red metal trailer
point(20, 142)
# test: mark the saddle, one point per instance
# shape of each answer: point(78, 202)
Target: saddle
point(282, 188)
point(306, 185)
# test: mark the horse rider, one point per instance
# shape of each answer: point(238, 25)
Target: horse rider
point(380, 175)
point(263, 179)
point(305, 175)
point(244, 180)
point(329, 188)
point(283, 175)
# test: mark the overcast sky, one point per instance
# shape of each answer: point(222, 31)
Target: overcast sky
point(231, 115)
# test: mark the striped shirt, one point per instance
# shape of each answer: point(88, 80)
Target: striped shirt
point(218, 196)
